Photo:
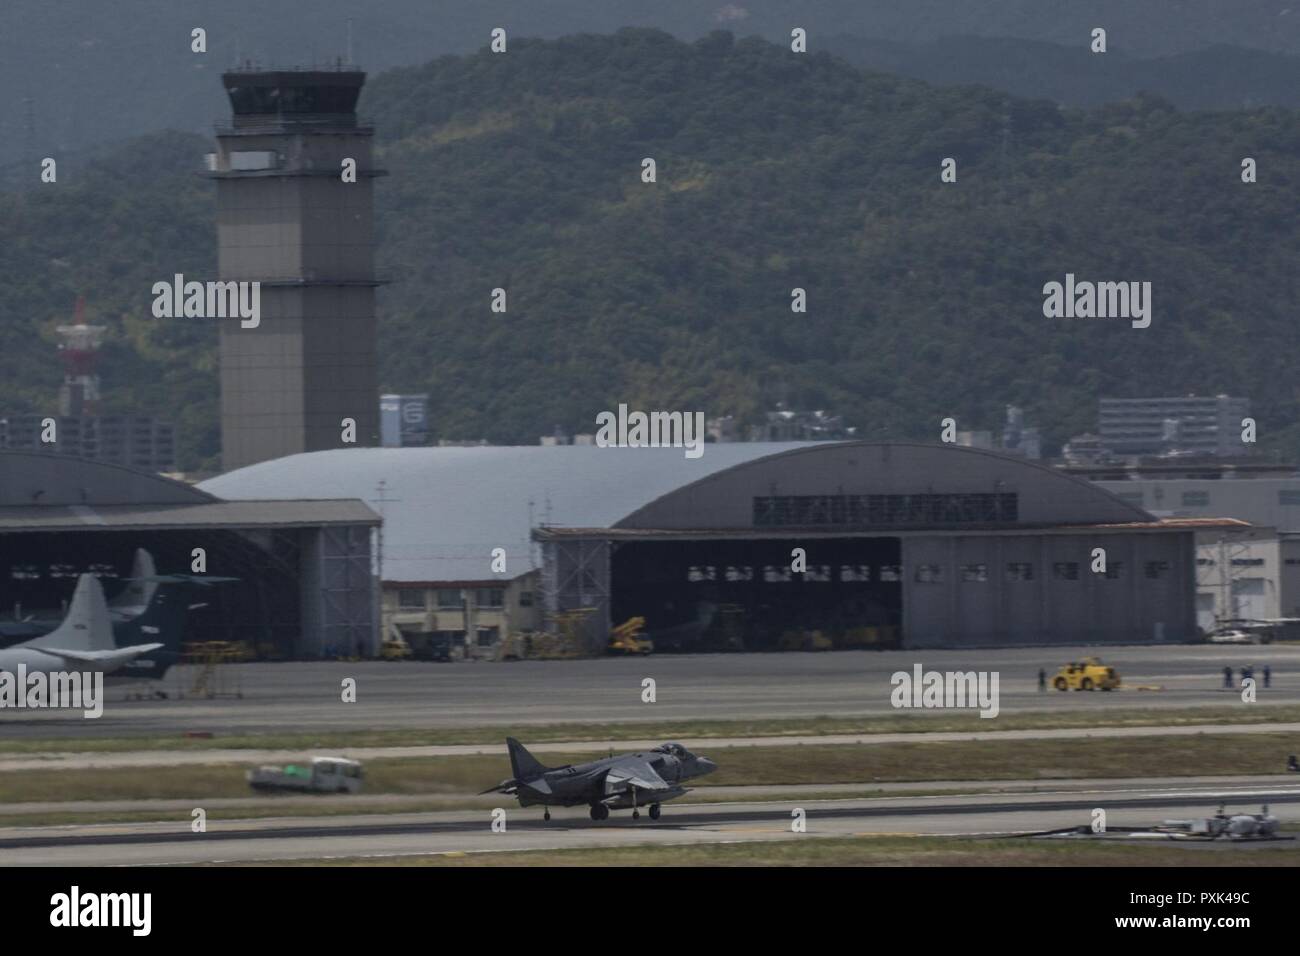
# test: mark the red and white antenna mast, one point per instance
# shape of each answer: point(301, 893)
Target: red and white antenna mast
point(79, 350)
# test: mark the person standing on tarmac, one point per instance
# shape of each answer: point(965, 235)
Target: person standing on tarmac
point(1042, 681)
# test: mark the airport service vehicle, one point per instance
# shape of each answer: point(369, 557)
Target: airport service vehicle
point(1087, 674)
point(322, 775)
point(627, 639)
point(805, 641)
point(395, 649)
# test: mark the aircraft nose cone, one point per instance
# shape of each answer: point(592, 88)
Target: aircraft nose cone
point(706, 765)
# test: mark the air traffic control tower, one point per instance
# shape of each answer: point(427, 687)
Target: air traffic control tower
point(287, 218)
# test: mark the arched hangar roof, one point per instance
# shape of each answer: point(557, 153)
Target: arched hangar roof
point(807, 485)
point(38, 478)
point(447, 508)
point(42, 492)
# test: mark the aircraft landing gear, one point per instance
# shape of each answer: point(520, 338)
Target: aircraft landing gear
point(546, 815)
point(599, 812)
point(654, 811)
point(636, 814)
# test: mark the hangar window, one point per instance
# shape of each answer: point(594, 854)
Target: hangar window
point(490, 597)
point(1020, 571)
point(1196, 499)
point(1066, 570)
point(1205, 562)
point(776, 573)
point(974, 572)
point(739, 573)
point(525, 598)
point(818, 572)
point(891, 572)
point(1113, 569)
point(410, 599)
point(855, 572)
point(869, 510)
point(25, 572)
point(1156, 568)
point(702, 572)
point(1288, 496)
point(63, 571)
point(487, 636)
point(1247, 562)
point(450, 598)
point(929, 574)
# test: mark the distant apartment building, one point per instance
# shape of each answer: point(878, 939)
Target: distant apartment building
point(1168, 426)
point(403, 420)
point(134, 441)
point(975, 439)
point(1019, 438)
point(782, 424)
point(785, 424)
point(460, 619)
point(1251, 574)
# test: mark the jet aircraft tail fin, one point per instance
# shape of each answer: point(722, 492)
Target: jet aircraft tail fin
point(87, 626)
point(140, 586)
point(524, 764)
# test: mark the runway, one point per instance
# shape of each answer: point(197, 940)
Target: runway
point(92, 760)
point(291, 697)
point(397, 835)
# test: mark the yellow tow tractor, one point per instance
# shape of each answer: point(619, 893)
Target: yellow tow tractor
point(1087, 674)
point(395, 648)
point(627, 639)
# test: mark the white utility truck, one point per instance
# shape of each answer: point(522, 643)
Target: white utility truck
point(323, 775)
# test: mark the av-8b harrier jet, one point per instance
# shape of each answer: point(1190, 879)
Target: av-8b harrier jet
point(611, 783)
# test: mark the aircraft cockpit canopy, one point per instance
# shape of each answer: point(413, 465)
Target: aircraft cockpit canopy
point(675, 750)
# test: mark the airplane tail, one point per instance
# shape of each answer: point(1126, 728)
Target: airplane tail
point(524, 764)
point(140, 586)
point(87, 626)
point(162, 620)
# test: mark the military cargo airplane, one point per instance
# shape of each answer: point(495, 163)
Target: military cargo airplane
point(611, 783)
point(84, 641)
point(152, 608)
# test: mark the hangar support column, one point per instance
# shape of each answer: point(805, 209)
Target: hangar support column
point(575, 575)
point(338, 590)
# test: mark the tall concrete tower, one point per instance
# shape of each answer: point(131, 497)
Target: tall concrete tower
point(287, 218)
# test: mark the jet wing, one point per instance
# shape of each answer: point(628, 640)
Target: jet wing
point(633, 772)
point(104, 660)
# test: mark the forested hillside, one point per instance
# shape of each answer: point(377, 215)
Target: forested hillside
point(93, 71)
point(775, 171)
point(1218, 77)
